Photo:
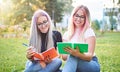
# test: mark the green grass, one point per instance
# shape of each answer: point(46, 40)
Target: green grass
point(12, 53)
point(107, 50)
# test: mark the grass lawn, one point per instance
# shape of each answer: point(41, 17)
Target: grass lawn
point(12, 53)
point(107, 50)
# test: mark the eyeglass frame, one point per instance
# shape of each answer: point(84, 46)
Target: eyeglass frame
point(44, 23)
point(82, 17)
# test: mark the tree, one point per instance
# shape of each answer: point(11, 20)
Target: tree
point(113, 22)
point(68, 6)
point(119, 5)
point(24, 9)
point(96, 24)
point(113, 13)
point(55, 10)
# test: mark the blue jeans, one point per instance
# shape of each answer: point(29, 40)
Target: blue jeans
point(75, 64)
point(34, 66)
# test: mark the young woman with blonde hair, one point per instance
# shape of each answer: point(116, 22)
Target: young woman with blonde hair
point(41, 39)
point(80, 31)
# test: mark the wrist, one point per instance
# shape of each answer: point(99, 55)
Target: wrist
point(30, 58)
point(77, 54)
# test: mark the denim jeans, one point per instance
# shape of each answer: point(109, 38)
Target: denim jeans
point(34, 66)
point(75, 64)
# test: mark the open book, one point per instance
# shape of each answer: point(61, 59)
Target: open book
point(51, 53)
point(83, 47)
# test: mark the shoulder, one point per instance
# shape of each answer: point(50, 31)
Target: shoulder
point(89, 32)
point(65, 36)
point(56, 32)
point(89, 29)
point(57, 36)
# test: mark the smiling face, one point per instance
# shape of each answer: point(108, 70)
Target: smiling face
point(79, 18)
point(43, 24)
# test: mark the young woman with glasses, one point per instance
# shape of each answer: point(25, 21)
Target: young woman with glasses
point(41, 39)
point(80, 31)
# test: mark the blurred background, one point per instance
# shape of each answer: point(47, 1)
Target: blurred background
point(15, 21)
point(15, 16)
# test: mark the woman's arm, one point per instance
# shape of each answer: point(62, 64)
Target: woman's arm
point(30, 54)
point(91, 48)
point(84, 56)
point(64, 39)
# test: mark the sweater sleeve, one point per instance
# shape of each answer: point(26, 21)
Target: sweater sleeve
point(57, 37)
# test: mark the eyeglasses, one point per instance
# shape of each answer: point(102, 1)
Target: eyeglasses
point(41, 24)
point(82, 17)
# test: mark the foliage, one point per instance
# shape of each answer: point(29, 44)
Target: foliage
point(112, 22)
point(3, 29)
point(55, 10)
point(113, 12)
point(67, 6)
point(24, 9)
point(25, 25)
point(119, 4)
point(96, 24)
point(16, 12)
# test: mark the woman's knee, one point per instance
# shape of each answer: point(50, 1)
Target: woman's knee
point(58, 61)
point(88, 67)
point(32, 66)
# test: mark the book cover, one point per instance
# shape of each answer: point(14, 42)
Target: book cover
point(51, 53)
point(61, 46)
point(83, 47)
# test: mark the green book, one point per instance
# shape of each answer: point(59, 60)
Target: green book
point(83, 47)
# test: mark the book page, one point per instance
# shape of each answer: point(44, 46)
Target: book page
point(52, 53)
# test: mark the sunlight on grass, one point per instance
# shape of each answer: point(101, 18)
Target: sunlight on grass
point(12, 53)
point(107, 50)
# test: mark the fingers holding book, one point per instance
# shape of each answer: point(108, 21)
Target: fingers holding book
point(30, 53)
point(68, 49)
point(48, 59)
point(72, 51)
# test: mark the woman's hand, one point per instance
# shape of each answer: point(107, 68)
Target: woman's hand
point(73, 52)
point(43, 64)
point(30, 53)
point(47, 59)
point(64, 57)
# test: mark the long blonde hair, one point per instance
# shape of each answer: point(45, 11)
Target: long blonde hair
point(71, 26)
point(35, 36)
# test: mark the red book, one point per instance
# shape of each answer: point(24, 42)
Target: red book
point(51, 53)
